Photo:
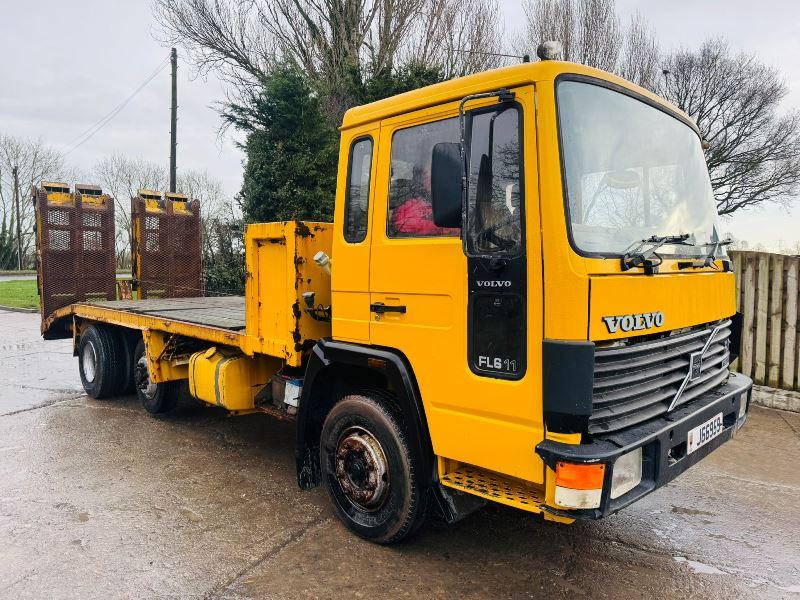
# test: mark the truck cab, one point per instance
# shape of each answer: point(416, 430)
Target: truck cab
point(535, 251)
point(523, 299)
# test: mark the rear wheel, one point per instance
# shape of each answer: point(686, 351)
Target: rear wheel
point(368, 472)
point(100, 361)
point(156, 398)
point(127, 345)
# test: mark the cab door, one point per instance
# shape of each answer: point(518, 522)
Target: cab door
point(351, 241)
point(468, 327)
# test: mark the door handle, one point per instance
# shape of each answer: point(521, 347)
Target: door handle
point(381, 308)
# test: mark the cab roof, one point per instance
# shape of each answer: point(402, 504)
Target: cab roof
point(516, 75)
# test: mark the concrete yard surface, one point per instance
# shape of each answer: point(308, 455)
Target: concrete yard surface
point(100, 500)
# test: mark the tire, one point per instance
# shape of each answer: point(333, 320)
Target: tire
point(127, 345)
point(156, 398)
point(100, 361)
point(368, 471)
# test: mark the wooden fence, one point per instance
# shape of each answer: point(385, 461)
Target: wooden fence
point(767, 297)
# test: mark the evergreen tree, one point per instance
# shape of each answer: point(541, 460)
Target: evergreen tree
point(290, 170)
point(292, 147)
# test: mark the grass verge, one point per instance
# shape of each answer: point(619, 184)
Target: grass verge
point(19, 294)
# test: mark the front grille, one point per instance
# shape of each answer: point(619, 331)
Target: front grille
point(637, 382)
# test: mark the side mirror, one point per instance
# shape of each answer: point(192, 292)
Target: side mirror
point(446, 192)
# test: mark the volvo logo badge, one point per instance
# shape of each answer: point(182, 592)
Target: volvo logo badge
point(695, 367)
point(637, 322)
point(490, 283)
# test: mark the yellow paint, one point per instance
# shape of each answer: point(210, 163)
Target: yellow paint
point(485, 422)
point(61, 198)
point(153, 205)
point(162, 362)
point(229, 379)
point(564, 438)
point(350, 284)
point(280, 268)
point(685, 299)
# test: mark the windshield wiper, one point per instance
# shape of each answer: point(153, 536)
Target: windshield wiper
point(710, 257)
point(639, 253)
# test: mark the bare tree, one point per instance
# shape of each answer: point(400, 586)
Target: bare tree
point(334, 42)
point(215, 206)
point(591, 33)
point(226, 37)
point(754, 153)
point(640, 55)
point(458, 37)
point(123, 176)
point(35, 161)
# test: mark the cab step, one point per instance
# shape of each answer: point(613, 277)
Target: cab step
point(495, 487)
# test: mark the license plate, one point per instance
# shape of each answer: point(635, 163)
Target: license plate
point(702, 434)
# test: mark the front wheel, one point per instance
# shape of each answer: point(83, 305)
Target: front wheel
point(156, 398)
point(368, 472)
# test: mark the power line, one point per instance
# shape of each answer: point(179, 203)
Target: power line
point(122, 104)
point(91, 131)
point(522, 57)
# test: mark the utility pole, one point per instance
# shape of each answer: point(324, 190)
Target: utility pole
point(19, 228)
point(173, 117)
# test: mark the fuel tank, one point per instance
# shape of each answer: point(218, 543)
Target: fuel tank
point(227, 378)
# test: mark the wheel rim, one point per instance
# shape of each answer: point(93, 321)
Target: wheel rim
point(142, 377)
point(89, 362)
point(361, 469)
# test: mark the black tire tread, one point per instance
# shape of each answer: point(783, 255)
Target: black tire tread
point(127, 346)
point(110, 368)
point(383, 402)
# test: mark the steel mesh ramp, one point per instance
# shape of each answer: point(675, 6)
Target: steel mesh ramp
point(76, 256)
point(166, 252)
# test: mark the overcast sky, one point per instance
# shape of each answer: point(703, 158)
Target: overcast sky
point(66, 64)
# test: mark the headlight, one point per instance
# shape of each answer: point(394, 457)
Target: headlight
point(627, 473)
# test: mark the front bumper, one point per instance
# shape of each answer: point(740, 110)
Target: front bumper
point(663, 443)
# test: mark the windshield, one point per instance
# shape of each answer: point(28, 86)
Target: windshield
point(632, 172)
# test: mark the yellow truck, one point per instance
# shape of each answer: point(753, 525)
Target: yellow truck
point(523, 298)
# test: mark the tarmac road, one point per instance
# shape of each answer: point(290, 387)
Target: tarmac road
point(99, 500)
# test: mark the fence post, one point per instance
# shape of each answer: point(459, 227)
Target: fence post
point(790, 327)
point(748, 312)
point(776, 320)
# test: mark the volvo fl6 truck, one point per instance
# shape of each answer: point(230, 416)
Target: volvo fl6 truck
point(523, 298)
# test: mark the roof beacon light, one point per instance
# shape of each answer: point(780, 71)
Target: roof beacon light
point(549, 50)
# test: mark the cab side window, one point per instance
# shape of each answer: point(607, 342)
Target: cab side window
point(356, 203)
point(410, 212)
point(494, 212)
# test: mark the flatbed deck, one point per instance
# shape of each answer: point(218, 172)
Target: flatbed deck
point(222, 312)
point(215, 319)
